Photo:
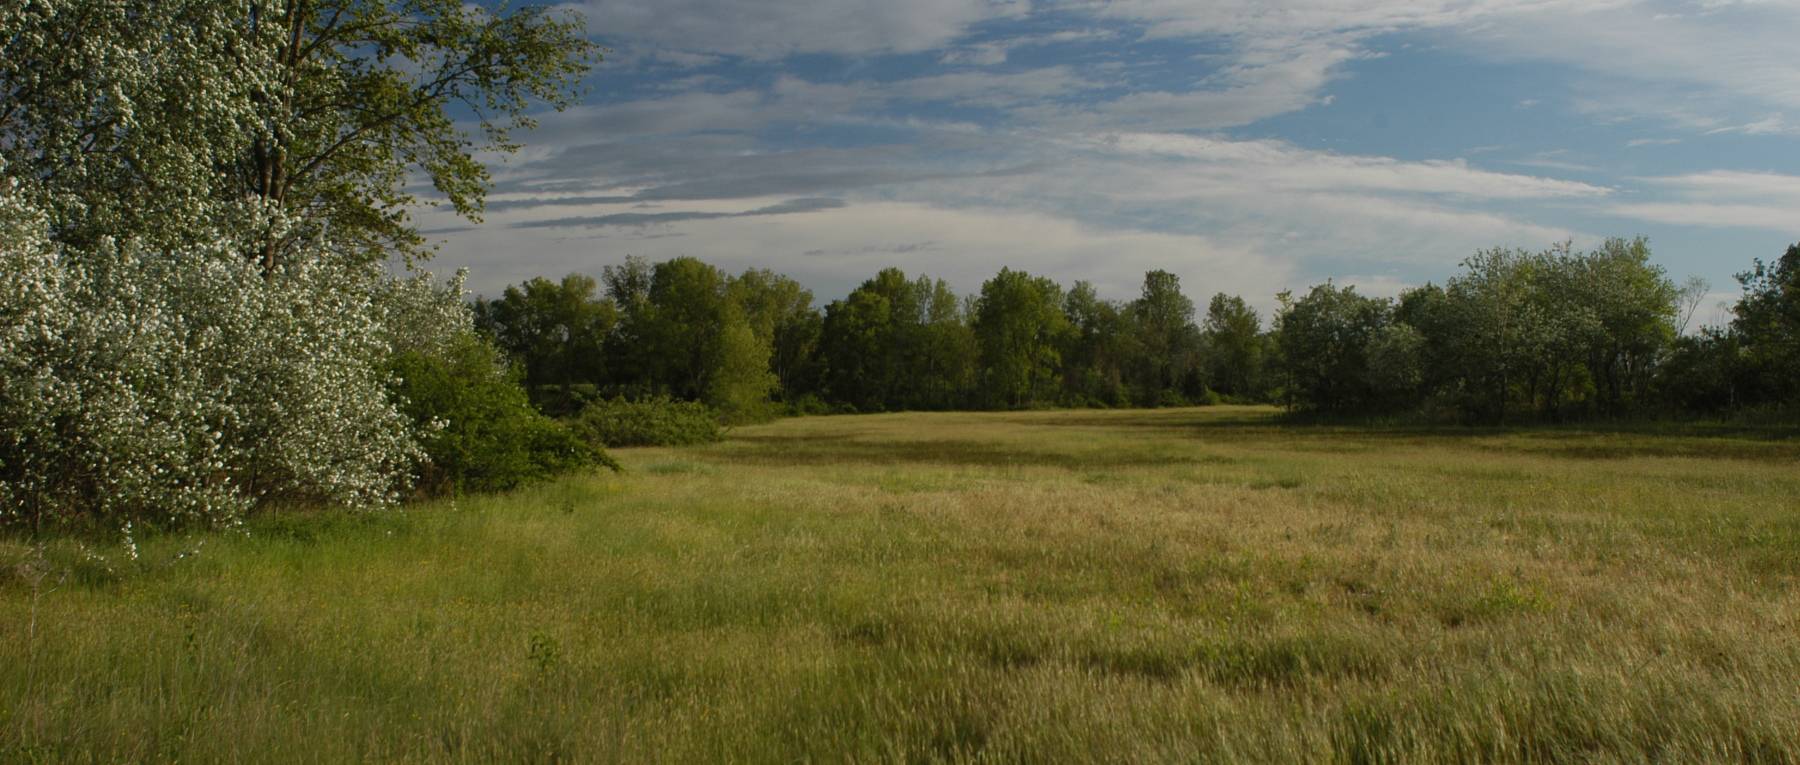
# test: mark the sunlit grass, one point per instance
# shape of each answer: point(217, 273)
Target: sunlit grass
point(1061, 586)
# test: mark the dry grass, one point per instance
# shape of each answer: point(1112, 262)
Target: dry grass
point(1066, 586)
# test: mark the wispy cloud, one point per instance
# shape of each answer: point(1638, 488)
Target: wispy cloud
point(789, 207)
point(772, 29)
point(1275, 164)
point(1767, 201)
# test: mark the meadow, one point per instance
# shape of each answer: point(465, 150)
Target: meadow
point(1175, 585)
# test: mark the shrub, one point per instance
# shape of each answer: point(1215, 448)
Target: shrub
point(480, 431)
point(810, 404)
point(193, 386)
point(659, 421)
point(190, 385)
point(1171, 398)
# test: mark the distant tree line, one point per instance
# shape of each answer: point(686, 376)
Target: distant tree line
point(1515, 335)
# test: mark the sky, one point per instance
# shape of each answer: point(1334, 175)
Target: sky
point(1249, 147)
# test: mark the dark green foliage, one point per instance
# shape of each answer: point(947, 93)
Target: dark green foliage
point(1767, 324)
point(1097, 344)
point(556, 331)
point(658, 421)
point(491, 437)
point(1323, 341)
point(685, 336)
point(1165, 367)
point(1019, 326)
point(1549, 335)
point(780, 312)
point(1234, 347)
point(860, 343)
point(1703, 374)
point(678, 326)
point(897, 344)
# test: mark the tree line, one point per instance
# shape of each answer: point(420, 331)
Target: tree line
point(1513, 336)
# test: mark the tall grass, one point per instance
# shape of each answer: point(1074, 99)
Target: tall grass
point(1063, 586)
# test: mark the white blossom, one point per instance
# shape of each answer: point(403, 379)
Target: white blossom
point(188, 385)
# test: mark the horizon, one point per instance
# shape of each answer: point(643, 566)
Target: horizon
point(1246, 150)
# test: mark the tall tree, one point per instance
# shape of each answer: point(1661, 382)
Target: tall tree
point(895, 343)
point(1632, 308)
point(1093, 360)
point(628, 355)
point(557, 331)
point(1168, 341)
point(1501, 326)
point(939, 366)
point(852, 346)
point(1234, 346)
point(781, 313)
point(1323, 344)
point(291, 119)
point(1020, 327)
point(687, 311)
point(1766, 322)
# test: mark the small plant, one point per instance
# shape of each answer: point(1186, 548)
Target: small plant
point(659, 421)
point(544, 653)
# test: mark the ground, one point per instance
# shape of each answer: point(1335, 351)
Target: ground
point(1175, 585)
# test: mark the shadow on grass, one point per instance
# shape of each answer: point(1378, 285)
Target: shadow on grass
point(1583, 441)
point(813, 451)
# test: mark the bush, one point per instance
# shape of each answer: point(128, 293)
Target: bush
point(811, 405)
point(480, 431)
point(188, 386)
point(1171, 399)
point(659, 421)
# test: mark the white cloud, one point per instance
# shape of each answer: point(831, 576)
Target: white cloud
point(989, 89)
point(1294, 214)
point(1699, 65)
point(1713, 215)
point(1731, 184)
point(983, 54)
point(1279, 165)
point(1377, 285)
point(772, 29)
point(992, 52)
point(1257, 82)
point(1771, 125)
point(1685, 62)
point(1266, 18)
point(1767, 201)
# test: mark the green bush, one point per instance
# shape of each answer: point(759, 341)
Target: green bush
point(658, 421)
point(1168, 399)
point(810, 405)
point(481, 432)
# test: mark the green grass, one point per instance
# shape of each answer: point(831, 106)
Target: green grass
point(1183, 585)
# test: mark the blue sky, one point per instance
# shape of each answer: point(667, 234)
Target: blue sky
point(1247, 146)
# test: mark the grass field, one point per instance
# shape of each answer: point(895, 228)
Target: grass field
point(1178, 585)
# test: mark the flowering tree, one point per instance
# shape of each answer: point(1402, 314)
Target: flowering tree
point(195, 200)
point(191, 386)
point(272, 120)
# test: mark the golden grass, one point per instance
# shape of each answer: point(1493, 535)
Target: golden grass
point(1175, 585)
